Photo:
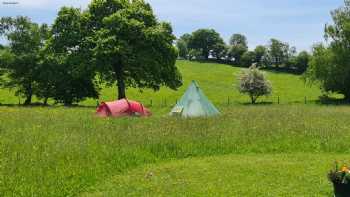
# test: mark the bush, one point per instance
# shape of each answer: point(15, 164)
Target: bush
point(254, 83)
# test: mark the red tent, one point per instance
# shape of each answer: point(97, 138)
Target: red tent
point(121, 108)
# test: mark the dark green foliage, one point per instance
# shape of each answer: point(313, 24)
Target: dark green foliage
point(248, 58)
point(219, 51)
point(238, 46)
point(130, 46)
point(67, 75)
point(302, 62)
point(260, 55)
point(279, 53)
point(208, 42)
point(299, 63)
point(330, 65)
point(21, 60)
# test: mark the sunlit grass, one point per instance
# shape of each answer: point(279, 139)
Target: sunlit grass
point(66, 151)
point(218, 82)
point(231, 175)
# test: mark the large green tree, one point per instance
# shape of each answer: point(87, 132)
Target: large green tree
point(302, 61)
point(67, 75)
point(248, 58)
point(131, 47)
point(238, 46)
point(21, 59)
point(330, 65)
point(260, 55)
point(182, 46)
point(206, 41)
point(279, 52)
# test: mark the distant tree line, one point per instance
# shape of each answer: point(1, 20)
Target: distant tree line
point(205, 44)
point(110, 43)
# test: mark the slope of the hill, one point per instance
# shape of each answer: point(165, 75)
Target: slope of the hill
point(218, 81)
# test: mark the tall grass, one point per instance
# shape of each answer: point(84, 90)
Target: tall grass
point(65, 151)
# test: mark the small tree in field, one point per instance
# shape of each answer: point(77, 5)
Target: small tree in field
point(254, 83)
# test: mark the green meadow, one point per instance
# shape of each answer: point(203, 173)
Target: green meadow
point(218, 81)
point(262, 150)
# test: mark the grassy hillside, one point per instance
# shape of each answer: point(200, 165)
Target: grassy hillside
point(68, 151)
point(218, 82)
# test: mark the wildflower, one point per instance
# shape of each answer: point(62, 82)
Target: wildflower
point(345, 169)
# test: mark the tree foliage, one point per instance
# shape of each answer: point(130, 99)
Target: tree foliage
point(131, 47)
point(206, 41)
point(182, 46)
point(279, 52)
point(21, 59)
point(330, 65)
point(260, 55)
point(254, 83)
point(238, 46)
point(248, 58)
point(67, 74)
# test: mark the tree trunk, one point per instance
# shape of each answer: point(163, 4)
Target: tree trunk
point(120, 81)
point(121, 89)
point(28, 100)
point(29, 95)
point(253, 99)
point(45, 100)
point(347, 98)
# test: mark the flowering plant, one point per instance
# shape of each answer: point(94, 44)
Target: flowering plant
point(340, 174)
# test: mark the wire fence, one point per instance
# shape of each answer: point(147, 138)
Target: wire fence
point(228, 101)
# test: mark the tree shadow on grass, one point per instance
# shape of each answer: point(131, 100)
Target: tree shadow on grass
point(40, 105)
point(324, 100)
point(282, 70)
point(263, 103)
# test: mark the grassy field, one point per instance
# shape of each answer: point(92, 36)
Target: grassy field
point(264, 150)
point(217, 81)
point(66, 152)
point(232, 175)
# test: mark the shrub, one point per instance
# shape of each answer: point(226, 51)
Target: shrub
point(254, 83)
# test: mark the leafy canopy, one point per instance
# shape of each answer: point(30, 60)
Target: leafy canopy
point(238, 46)
point(67, 71)
point(330, 65)
point(21, 59)
point(130, 46)
point(206, 41)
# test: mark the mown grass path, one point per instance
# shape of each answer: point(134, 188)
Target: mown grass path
point(232, 175)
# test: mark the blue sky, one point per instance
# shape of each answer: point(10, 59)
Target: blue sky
point(299, 22)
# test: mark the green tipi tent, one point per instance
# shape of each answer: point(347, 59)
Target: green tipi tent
point(194, 104)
